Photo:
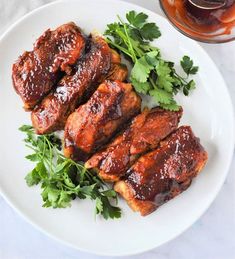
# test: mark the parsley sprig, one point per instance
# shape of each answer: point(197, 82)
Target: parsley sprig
point(151, 74)
point(62, 179)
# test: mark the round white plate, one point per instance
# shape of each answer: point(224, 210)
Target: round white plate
point(208, 110)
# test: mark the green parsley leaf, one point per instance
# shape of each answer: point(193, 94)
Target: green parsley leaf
point(137, 20)
point(143, 66)
point(193, 70)
point(32, 178)
point(191, 85)
point(163, 68)
point(141, 70)
point(141, 87)
point(62, 179)
point(164, 79)
point(188, 87)
point(173, 106)
point(187, 65)
point(98, 205)
point(151, 74)
point(32, 157)
point(152, 57)
point(41, 169)
point(150, 31)
point(161, 96)
point(109, 211)
point(25, 128)
point(165, 82)
point(135, 35)
point(64, 200)
point(110, 193)
point(68, 181)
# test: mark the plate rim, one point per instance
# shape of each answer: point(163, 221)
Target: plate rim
point(219, 186)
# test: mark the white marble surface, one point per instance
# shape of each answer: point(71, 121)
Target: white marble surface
point(211, 237)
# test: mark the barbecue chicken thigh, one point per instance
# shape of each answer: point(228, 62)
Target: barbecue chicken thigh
point(99, 62)
point(36, 72)
point(160, 175)
point(94, 123)
point(144, 133)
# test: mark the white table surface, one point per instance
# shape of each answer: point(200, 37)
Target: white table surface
point(211, 237)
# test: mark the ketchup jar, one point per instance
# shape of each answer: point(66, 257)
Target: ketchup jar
point(211, 21)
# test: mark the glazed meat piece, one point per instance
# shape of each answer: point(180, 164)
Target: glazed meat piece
point(145, 132)
point(94, 123)
point(163, 173)
point(118, 71)
point(52, 113)
point(36, 72)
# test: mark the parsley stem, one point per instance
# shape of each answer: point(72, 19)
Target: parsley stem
point(152, 82)
point(71, 180)
point(180, 77)
point(34, 149)
point(137, 50)
point(42, 158)
point(44, 147)
point(118, 47)
point(50, 154)
point(155, 76)
point(129, 45)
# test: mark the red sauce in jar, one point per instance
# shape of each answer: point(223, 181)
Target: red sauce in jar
point(199, 22)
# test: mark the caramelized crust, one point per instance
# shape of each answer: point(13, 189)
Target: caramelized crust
point(55, 108)
point(94, 123)
point(145, 132)
point(163, 173)
point(36, 72)
point(118, 71)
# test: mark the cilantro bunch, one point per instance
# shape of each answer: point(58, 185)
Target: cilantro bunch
point(151, 74)
point(62, 179)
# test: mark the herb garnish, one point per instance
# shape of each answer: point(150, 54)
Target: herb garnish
point(151, 74)
point(62, 179)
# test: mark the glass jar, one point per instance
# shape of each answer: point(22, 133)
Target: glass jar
point(206, 25)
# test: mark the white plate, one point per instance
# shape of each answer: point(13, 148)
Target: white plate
point(208, 110)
